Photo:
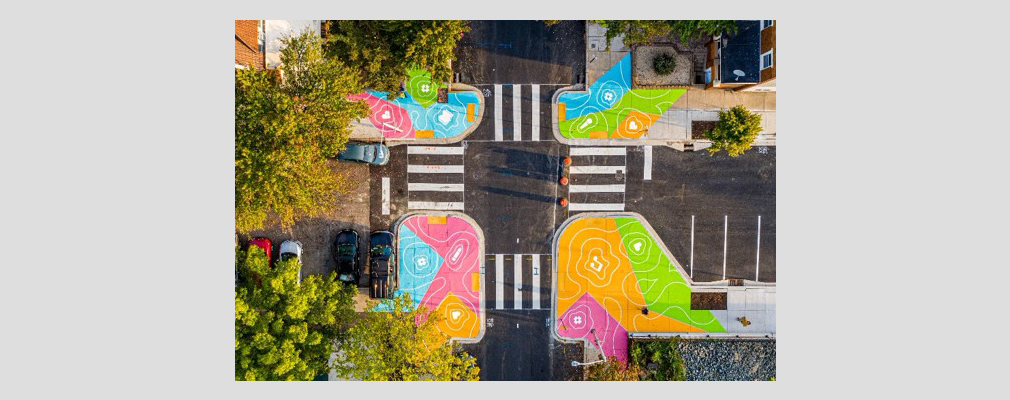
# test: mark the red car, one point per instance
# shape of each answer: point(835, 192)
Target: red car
point(264, 244)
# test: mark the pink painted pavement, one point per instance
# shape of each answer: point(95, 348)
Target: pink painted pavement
point(586, 314)
point(456, 242)
point(392, 120)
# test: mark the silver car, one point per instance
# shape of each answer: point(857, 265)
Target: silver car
point(292, 249)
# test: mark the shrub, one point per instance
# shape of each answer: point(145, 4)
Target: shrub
point(735, 132)
point(664, 63)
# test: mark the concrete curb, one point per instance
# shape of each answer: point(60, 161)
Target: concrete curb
point(666, 251)
point(480, 236)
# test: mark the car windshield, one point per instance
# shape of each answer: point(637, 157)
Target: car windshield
point(287, 256)
point(345, 250)
point(381, 251)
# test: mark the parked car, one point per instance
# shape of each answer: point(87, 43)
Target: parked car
point(345, 253)
point(366, 153)
point(292, 249)
point(382, 277)
point(264, 244)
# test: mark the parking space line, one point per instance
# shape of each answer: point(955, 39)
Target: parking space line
point(434, 187)
point(595, 188)
point(596, 169)
point(434, 169)
point(596, 206)
point(535, 115)
point(435, 205)
point(598, 151)
point(535, 284)
point(498, 136)
point(691, 262)
point(647, 175)
point(435, 150)
point(499, 282)
point(518, 284)
point(517, 101)
point(757, 257)
point(725, 241)
point(385, 195)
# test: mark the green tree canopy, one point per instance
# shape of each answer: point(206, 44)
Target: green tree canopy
point(285, 330)
point(285, 131)
point(735, 131)
point(639, 32)
point(390, 346)
point(382, 51)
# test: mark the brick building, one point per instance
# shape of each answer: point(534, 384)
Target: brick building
point(250, 44)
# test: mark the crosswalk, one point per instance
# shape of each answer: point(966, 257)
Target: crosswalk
point(435, 178)
point(521, 112)
point(517, 281)
point(598, 177)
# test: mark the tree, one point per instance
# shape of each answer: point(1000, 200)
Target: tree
point(381, 52)
point(613, 370)
point(403, 344)
point(285, 330)
point(285, 131)
point(668, 365)
point(687, 31)
point(634, 32)
point(735, 131)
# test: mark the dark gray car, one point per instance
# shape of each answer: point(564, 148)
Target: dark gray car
point(381, 261)
point(366, 153)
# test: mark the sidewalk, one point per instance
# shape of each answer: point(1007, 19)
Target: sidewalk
point(704, 105)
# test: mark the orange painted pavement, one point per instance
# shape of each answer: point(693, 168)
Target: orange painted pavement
point(635, 125)
point(591, 258)
point(456, 319)
point(470, 112)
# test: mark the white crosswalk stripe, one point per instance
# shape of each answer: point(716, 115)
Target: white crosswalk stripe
point(435, 178)
point(518, 282)
point(598, 177)
point(517, 110)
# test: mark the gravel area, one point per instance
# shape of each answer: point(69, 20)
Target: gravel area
point(728, 360)
point(646, 76)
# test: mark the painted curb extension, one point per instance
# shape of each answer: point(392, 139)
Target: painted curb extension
point(480, 237)
point(453, 87)
point(701, 286)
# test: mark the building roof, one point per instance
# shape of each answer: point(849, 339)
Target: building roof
point(742, 53)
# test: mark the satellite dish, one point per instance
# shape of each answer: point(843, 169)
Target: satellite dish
point(738, 74)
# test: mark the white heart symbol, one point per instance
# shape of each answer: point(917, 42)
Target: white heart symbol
point(637, 246)
point(632, 126)
point(445, 117)
point(455, 314)
point(385, 114)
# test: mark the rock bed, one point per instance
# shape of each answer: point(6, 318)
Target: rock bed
point(728, 360)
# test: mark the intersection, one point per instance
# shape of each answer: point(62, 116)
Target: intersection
point(715, 215)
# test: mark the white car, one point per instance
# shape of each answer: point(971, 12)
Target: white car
point(292, 249)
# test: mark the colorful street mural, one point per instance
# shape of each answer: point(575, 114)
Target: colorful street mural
point(439, 266)
point(418, 115)
point(610, 109)
point(608, 270)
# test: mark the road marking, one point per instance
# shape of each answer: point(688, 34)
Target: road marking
point(392, 127)
point(435, 169)
point(599, 151)
point(434, 150)
point(518, 282)
point(517, 102)
point(535, 115)
point(757, 258)
point(691, 261)
point(535, 285)
point(385, 195)
point(725, 241)
point(435, 205)
point(497, 114)
point(596, 188)
point(648, 164)
point(596, 169)
point(435, 187)
point(596, 206)
point(499, 283)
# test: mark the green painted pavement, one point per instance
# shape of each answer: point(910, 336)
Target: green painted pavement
point(646, 101)
point(664, 289)
point(421, 88)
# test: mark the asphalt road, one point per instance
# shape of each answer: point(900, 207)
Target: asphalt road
point(522, 52)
